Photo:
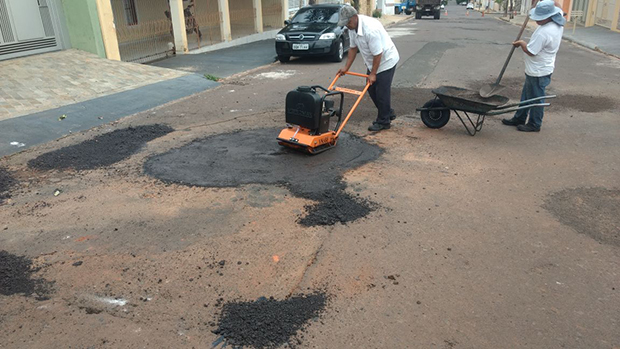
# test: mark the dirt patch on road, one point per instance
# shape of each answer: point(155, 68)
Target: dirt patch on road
point(16, 277)
point(583, 103)
point(254, 157)
point(103, 150)
point(590, 211)
point(7, 182)
point(268, 323)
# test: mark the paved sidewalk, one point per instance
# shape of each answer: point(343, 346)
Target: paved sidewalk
point(42, 82)
point(595, 37)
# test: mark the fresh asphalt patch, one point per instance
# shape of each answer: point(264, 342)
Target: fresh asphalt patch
point(7, 182)
point(590, 211)
point(255, 157)
point(583, 103)
point(16, 277)
point(268, 323)
point(101, 151)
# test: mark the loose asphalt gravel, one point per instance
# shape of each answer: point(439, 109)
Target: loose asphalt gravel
point(268, 323)
point(16, 277)
point(103, 150)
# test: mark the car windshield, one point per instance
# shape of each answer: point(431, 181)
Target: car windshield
point(317, 15)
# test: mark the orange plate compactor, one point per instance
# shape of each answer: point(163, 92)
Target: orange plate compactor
point(309, 110)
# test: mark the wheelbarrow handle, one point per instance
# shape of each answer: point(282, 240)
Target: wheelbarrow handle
point(525, 101)
point(504, 111)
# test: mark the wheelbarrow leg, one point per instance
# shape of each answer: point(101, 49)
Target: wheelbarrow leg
point(475, 126)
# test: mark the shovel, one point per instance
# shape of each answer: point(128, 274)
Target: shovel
point(492, 89)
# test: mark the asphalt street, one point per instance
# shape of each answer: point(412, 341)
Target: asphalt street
point(501, 240)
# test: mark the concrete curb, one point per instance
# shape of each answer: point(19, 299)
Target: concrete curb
point(581, 42)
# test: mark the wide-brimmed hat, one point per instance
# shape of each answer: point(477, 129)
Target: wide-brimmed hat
point(345, 14)
point(559, 19)
point(543, 10)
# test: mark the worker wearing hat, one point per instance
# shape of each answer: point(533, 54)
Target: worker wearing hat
point(539, 59)
point(368, 36)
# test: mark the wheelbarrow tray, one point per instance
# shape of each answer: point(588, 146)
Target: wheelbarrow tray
point(457, 98)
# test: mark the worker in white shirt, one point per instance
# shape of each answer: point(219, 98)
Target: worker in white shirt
point(368, 36)
point(539, 59)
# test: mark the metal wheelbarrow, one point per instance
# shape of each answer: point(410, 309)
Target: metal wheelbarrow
point(436, 112)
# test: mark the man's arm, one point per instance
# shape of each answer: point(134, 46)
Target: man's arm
point(350, 58)
point(523, 46)
point(376, 61)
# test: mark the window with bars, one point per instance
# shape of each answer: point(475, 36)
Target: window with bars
point(130, 12)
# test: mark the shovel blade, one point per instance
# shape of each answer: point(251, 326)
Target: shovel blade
point(490, 90)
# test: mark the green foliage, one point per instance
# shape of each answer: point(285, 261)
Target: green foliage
point(376, 13)
point(211, 77)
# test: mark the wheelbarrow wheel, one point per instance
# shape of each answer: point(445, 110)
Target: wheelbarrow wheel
point(435, 118)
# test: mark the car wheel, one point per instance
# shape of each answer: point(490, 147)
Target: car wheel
point(337, 57)
point(407, 12)
point(418, 15)
point(284, 59)
point(437, 14)
point(435, 118)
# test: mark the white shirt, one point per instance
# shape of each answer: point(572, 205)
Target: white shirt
point(544, 45)
point(371, 39)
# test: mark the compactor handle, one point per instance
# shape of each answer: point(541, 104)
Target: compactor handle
point(338, 76)
point(360, 95)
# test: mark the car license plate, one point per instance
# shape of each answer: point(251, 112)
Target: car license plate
point(300, 46)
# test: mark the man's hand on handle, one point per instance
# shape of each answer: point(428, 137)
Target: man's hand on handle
point(372, 78)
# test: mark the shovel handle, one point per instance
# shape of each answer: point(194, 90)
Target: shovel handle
point(512, 50)
point(527, 18)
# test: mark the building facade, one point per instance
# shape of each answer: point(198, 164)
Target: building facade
point(588, 13)
point(30, 27)
point(132, 30)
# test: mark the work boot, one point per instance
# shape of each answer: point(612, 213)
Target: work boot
point(512, 122)
point(527, 128)
point(375, 127)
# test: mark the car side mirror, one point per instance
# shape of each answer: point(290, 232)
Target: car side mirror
point(287, 22)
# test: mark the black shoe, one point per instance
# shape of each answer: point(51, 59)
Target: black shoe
point(512, 122)
point(375, 127)
point(392, 114)
point(528, 128)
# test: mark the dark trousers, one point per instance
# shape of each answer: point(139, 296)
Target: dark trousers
point(381, 94)
point(532, 88)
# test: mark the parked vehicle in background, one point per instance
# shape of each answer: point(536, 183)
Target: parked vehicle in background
point(470, 6)
point(428, 8)
point(409, 6)
point(313, 31)
point(399, 8)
